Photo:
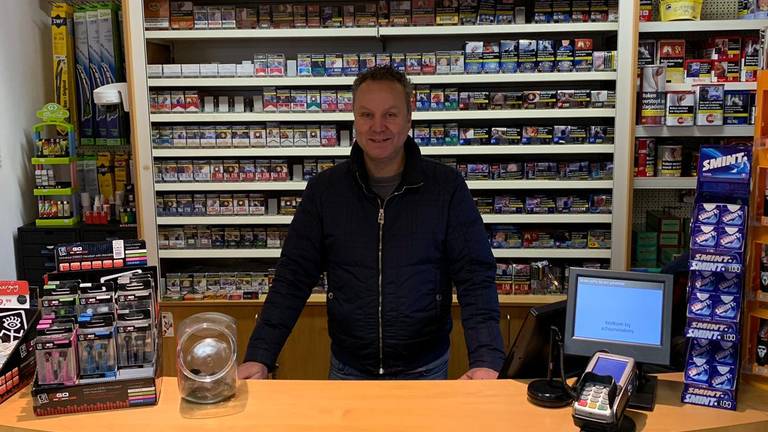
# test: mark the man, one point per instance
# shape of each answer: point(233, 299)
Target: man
point(393, 231)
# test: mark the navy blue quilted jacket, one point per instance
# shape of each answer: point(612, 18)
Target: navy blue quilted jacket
point(390, 266)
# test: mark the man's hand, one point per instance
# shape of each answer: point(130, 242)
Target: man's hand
point(480, 374)
point(252, 370)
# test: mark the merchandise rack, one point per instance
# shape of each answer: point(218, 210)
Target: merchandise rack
point(624, 32)
point(693, 30)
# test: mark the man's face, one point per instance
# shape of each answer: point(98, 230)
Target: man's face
point(382, 120)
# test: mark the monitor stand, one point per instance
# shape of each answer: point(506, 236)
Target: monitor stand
point(644, 396)
point(551, 392)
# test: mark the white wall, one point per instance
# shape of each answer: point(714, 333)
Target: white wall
point(25, 86)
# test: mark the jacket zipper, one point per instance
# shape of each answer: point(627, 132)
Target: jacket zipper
point(382, 205)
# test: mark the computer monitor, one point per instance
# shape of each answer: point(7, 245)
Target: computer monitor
point(528, 354)
point(626, 313)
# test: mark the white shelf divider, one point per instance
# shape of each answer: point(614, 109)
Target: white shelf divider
point(344, 151)
point(497, 29)
point(702, 26)
point(417, 116)
point(224, 220)
point(275, 253)
point(219, 253)
point(727, 85)
point(286, 220)
point(694, 131)
point(416, 79)
point(665, 183)
point(357, 32)
point(300, 185)
point(231, 186)
point(539, 184)
point(552, 253)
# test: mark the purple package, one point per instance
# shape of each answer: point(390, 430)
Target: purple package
point(708, 397)
point(703, 280)
point(707, 213)
point(700, 350)
point(723, 377)
point(725, 307)
point(699, 305)
point(697, 373)
point(725, 353)
point(732, 215)
point(730, 238)
point(729, 283)
point(719, 261)
point(703, 236)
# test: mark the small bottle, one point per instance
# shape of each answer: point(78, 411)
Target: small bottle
point(67, 209)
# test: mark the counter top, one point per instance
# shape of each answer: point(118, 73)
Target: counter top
point(320, 406)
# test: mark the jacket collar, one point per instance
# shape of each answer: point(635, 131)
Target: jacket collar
point(412, 171)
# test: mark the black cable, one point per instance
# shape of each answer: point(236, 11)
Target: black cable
point(567, 388)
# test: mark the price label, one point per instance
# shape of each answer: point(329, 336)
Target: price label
point(14, 295)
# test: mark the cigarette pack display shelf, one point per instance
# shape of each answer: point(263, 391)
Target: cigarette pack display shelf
point(665, 183)
point(500, 78)
point(417, 116)
point(286, 220)
point(670, 87)
point(275, 253)
point(702, 26)
point(344, 151)
point(375, 32)
point(319, 299)
point(50, 155)
point(694, 131)
point(204, 46)
point(473, 184)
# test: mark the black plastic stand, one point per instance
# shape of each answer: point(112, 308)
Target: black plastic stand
point(550, 392)
point(644, 396)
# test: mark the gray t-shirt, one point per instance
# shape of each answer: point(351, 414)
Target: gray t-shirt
point(384, 186)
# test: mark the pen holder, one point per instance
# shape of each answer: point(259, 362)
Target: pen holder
point(206, 357)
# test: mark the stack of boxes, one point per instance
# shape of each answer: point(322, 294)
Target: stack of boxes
point(662, 241)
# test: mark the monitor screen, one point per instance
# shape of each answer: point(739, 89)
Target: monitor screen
point(626, 313)
point(610, 366)
point(633, 315)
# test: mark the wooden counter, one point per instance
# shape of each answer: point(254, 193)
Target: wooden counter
point(333, 406)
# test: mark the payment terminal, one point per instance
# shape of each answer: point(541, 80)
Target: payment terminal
point(604, 391)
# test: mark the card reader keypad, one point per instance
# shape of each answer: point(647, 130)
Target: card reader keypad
point(594, 398)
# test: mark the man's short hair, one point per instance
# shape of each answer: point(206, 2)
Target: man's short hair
point(385, 73)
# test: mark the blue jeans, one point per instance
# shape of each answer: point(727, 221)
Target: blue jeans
point(436, 370)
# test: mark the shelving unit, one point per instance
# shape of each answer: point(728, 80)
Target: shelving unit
point(673, 194)
point(196, 41)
